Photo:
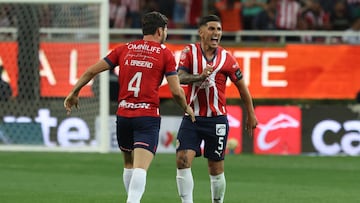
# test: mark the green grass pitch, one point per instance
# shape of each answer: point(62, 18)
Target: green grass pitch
point(39, 177)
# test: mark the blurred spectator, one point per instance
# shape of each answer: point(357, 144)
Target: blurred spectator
point(133, 13)
point(73, 16)
point(314, 18)
point(352, 35)
point(287, 16)
point(166, 7)
point(150, 5)
point(124, 13)
point(5, 89)
point(250, 8)
point(354, 8)
point(46, 15)
point(195, 13)
point(230, 14)
point(328, 5)
point(265, 20)
point(70, 15)
point(340, 18)
point(181, 13)
point(117, 14)
point(4, 21)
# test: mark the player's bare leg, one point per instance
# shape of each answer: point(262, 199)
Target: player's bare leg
point(184, 178)
point(217, 180)
point(141, 163)
point(128, 169)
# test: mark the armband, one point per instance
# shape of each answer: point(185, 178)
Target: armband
point(238, 74)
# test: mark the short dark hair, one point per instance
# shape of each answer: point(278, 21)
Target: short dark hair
point(152, 21)
point(204, 20)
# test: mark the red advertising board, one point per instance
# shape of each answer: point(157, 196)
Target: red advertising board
point(278, 131)
point(234, 144)
point(296, 71)
point(61, 64)
point(290, 72)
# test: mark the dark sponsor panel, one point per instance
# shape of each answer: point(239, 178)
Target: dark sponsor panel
point(331, 130)
point(45, 123)
point(21, 133)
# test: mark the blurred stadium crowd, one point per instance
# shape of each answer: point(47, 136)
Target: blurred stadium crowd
point(290, 15)
point(237, 15)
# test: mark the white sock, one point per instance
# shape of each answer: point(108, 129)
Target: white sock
point(218, 186)
point(185, 185)
point(127, 173)
point(137, 185)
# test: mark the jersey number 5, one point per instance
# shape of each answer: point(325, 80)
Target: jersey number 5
point(134, 84)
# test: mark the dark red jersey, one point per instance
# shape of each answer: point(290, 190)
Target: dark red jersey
point(142, 66)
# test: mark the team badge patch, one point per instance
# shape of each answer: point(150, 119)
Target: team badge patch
point(220, 129)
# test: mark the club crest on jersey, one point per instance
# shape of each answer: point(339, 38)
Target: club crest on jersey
point(186, 49)
point(184, 52)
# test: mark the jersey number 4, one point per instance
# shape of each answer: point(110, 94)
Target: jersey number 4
point(134, 84)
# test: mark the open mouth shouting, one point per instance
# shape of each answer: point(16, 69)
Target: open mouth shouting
point(214, 41)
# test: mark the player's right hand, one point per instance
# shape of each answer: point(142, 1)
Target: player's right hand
point(69, 102)
point(190, 112)
point(207, 71)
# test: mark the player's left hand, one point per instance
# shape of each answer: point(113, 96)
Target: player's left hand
point(251, 123)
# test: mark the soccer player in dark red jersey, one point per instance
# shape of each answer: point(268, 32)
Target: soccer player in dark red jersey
point(143, 64)
point(205, 67)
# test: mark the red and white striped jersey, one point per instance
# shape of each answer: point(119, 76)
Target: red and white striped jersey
point(142, 66)
point(207, 98)
point(288, 12)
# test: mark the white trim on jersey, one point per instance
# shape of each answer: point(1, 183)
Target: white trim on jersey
point(195, 71)
point(216, 95)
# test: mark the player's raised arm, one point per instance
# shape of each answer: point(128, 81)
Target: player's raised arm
point(186, 78)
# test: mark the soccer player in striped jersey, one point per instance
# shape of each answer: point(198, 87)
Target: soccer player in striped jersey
point(205, 67)
point(143, 64)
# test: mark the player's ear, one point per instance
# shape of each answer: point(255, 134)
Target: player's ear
point(159, 31)
point(200, 31)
